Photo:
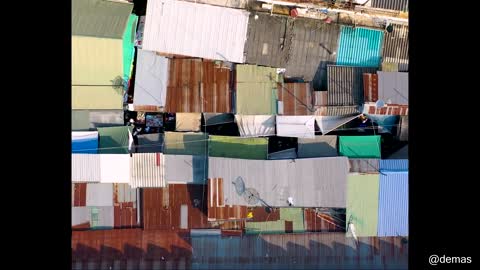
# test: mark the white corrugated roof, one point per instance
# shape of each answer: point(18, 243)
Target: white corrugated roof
point(198, 30)
point(147, 170)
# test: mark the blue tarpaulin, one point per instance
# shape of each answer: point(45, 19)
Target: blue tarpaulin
point(85, 142)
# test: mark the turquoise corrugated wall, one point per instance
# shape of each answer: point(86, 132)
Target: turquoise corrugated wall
point(359, 47)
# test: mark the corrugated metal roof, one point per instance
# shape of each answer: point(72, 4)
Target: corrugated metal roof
point(114, 140)
point(267, 41)
point(393, 205)
point(92, 119)
point(218, 211)
point(370, 87)
point(188, 121)
point(147, 170)
point(99, 194)
point(97, 62)
point(128, 48)
point(139, 249)
point(256, 91)
point(360, 146)
point(205, 31)
point(394, 165)
point(345, 85)
point(151, 79)
point(85, 142)
point(364, 165)
point(320, 146)
point(337, 110)
point(311, 182)
point(403, 130)
point(294, 216)
point(296, 98)
point(196, 85)
point(115, 168)
point(80, 215)
point(125, 215)
point(85, 168)
point(161, 207)
point(322, 222)
point(98, 18)
point(123, 193)
point(314, 44)
point(150, 143)
point(185, 143)
point(395, 47)
point(320, 98)
point(255, 125)
point(186, 169)
point(359, 47)
point(238, 147)
point(400, 5)
point(393, 87)
point(79, 195)
point(362, 203)
point(296, 126)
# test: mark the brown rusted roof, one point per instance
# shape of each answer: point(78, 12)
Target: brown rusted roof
point(80, 194)
point(321, 222)
point(196, 85)
point(125, 215)
point(297, 98)
point(370, 87)
point(389, 109)
point(218, 211)
point(161, 206)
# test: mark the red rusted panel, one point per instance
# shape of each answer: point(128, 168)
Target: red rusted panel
point(288, 226)
point(227, 233)
point(316, 222)
point(370, 87)
point(197, 85)
point(217, 210)
point(146, 108)
point(80, 194)
point(260, 215)
point(125, 216)
point(296, 97)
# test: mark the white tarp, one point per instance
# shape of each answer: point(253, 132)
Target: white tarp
point(115, 168)
point(188, 121)
point(255, 125)
point(330, 123)
point(296, 126)
point(151, 79)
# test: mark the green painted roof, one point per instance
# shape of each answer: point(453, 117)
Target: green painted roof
point(100, 18)
point(362, 203)
point(113, 140)
point(286, 214)
point(256, 90)
point(128, 43)
point(360, 146)
point(185, 143)
point(237, 147)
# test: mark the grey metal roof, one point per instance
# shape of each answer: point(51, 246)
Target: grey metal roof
point(99, 194)
point(314, 45)
point(312, 182)
point(303, 46)
point(395, 47)
point(393, 87)
point(186, 169)
point(100, 18)
point(320, 146)
point(400, 5)
point(91, 119)
point(345, 85)
point(337, 110)
point(267, 42)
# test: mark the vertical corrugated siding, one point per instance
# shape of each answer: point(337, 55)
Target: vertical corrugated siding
point(85, 168)
point(296, 98)
point(123, 193)
point(196, 85)
point(359, 47)
point(337, 110)
point(362, 203)
point(147, 170)
point(395, 47)
point(79, 194)
point(400, 5)
point(320, 98)
point(345, 85)
point(364, 165)
point(370, 87)
point(205, 31)
point(256, 90)
point(393, 205)
point(394, 165)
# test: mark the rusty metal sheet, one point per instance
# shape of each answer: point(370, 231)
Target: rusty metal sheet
point(217, 210)
point(370, 87)
point(321, 222)
point(320, 98)
point(80, 194)
point(168, 217)
point(260, 215)
point(196, 85)
point(296, 97)
point(125, 215)
point(389, 109)
point(123, 193)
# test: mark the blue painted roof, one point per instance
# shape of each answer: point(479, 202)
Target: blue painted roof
point(86, 143)
point(393, 204)
point(359, 47)
point(394, 165)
